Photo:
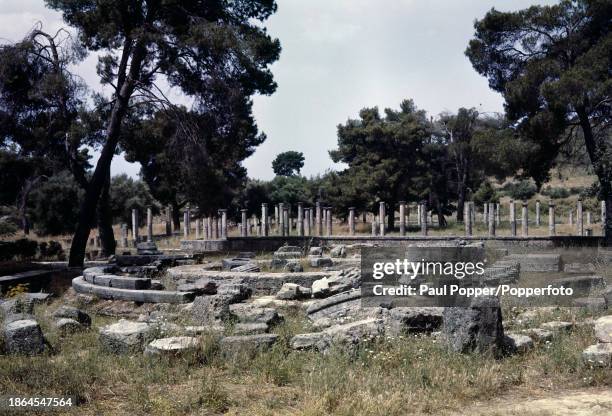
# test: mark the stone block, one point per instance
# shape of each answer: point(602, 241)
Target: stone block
point(73, 313)
point(126, 337)
point(171, 346)
point(598, 355)
point(23, 337)
point(603, 329)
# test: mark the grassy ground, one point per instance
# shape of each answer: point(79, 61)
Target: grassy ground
point(395, 376)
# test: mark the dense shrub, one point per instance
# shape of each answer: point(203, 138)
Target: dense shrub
point(51, 250)
point(19, 249)
point(522, 190)
point(555, 192)
point(485, 193)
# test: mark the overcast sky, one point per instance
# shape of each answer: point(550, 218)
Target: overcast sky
point(339, 56)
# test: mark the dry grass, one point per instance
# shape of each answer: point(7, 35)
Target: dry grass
point(395, 376)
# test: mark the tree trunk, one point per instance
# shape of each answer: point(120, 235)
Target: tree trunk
point(105, 222)
point(176, 216)
point(391, 217)
point(461, 188)
point(88, 207)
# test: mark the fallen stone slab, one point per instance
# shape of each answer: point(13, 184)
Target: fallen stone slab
point(404, 320)
point(320, 288)
point(25, 277)
point(171, 346)
point(23, 337)
point(517, 343)
point(229, 264)
point(293, 266)
point(247, 268)
point(354, 333)
point(539, 334)
point(121, 282)
point(314, 340)
point(142, 296)
point(19, 304)
point(292, 291)
point(579, 268)
point(249, 313)
point(248, 343)
point(289, 249)
point(338, 251)
point(475, 329)
point(147, 248)
point(91, 272)
point(598, 355)
point(315, 251)
point(340, 305)
point(603, 329)
point(39, 298)
point(320, 261)
point(199, 287)
point(211, 310)
point(537, 262)
point(73, 313)
point(194, 330)
point(67, 326)
point(250, 328)
point(126, 337)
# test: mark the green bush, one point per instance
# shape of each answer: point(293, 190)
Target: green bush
point(522, 190)
point(19, 249)
point(51, 250)
point(555, 192)
point(485, 193)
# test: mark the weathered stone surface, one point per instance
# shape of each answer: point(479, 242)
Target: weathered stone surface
point(537, 262)
point(608, 297)
point(338, 251)
point(39, 298)
point(557, 326)
point(247, 268)
point(592, 305)
point(72, 313)
point(200, 287)
point(409, 320)
point(320, 288)
point(23, 337)
point(581, 285)
point(598, 355)
point(315, 251)
point(211, 310)
point(320, 261)
point(352, 334)
point(147, 248)
point(172, 346)
point(603, 329)
point(293, 266)
point(337, 306)
point(125, 337)
point(477, 328)
point(289, 249)
point(229, 264)
point(517, 343)
point(250, 328)
point(291, 291)
point(578, 268)
point(121, 282)
point(249, 313)
point(539, 334)
point(20, 304)
point(236, 290)
point(156, 285)
point(142, 296)
point(192, 330)
point(68, 326)
point(91, 272)
point(248, 343)
point(313, 340)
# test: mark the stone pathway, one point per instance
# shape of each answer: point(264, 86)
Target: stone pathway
point(590, 402)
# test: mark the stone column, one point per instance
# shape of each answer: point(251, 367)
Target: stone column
point(307, 212)
point(186, 223)
point(382, 215)
point(281, 219)
point(124, 235)
point(537, 213)
point(215, 228)
point(277, 219)
point(570, 217)
point(467, 218)
point(223, 223)
point(329, 221)
point(351, 221)
point(492, 219)
point(135, 220)
point(374, 226)
point(149, 224)
point(473, 212)
point(512, 219)
point(603, 218)
point(245, 225)
point(579, 218)
point(402, 214)
point(264, 219)
point(588, 217)
point(497, 215)
point(209, 228)
point(485, 213)
point(300, 220)
point(197, 228)
point(419, 215)
point(168, 221)
point(551, 218)
point(285, 216)
point(525, 220)
point(423, 219)
point(319, 219)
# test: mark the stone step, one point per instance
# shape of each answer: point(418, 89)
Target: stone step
point(143, 296)
point(121, 282)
